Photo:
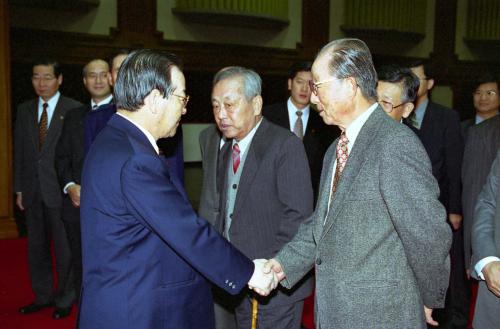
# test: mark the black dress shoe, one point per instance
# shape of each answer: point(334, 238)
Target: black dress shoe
point(61, 312)
point(32, 308)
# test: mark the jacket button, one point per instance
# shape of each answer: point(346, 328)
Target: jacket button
point(235, 186)
point(231, 216)
point(318, 261)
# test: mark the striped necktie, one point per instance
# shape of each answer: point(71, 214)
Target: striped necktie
point(42, 126)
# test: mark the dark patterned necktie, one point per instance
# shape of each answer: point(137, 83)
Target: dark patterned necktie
point(236, 157)
point(342, 156)
point(298, 128)
point(42, 126)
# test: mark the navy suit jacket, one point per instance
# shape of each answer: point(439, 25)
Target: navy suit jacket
point(146, 254)
point(171, 148)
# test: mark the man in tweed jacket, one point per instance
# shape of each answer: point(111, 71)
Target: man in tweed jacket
point(378, 238)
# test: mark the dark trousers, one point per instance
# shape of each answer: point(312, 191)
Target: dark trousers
point(43, 224)
point(456, 312)
point(71, 220)
point(280, 317)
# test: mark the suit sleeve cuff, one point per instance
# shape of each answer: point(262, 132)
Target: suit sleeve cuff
point(65, 189)
point(482, 263)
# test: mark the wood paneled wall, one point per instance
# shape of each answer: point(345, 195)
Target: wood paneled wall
point(7, 224)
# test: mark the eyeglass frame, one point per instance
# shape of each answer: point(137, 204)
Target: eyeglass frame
point(184, 99)
point(487, 93)
point(314, 86)
point(392, 105)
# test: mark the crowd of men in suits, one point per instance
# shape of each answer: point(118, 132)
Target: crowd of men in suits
point(348, 184)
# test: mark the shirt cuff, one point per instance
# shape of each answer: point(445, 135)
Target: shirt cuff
point(65, 189)
point(482, 263)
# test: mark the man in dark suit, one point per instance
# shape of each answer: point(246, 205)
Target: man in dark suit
point(299, 117)
point(95, 121)
point(146, 255)
point(397, 89)
point(486, 98)
point(486, 249)
point(481, 143)
point(69, 158)
point(265, 190)
point(377, 239)
point(37, 130)
point(439, 131)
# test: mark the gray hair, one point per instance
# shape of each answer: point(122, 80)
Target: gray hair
point(352, 58)
point(252, 83)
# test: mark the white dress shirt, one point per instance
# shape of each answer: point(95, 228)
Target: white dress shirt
point(94, 105)
point(50, 109)
point(292, 116)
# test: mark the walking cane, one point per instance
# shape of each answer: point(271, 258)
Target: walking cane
point(255, 305)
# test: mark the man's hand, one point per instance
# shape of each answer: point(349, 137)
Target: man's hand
point(428, 317)
point(262, 283)
point(74, 194)
point(491, 274)
point(455, 221)
point(274, 266)
point(19, 200)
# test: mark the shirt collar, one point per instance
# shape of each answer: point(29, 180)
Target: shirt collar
point(104, 101)
point(245, 142)
point(292, 108)
point(352, 131)
point(52, 102)
point(420, 111)
point(145, 132)
point(480, 119)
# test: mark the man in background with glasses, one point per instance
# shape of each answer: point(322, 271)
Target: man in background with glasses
point(397, 89)
point(377, 239)
point(37, 129)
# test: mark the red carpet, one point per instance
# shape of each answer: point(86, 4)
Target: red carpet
point(15, 291)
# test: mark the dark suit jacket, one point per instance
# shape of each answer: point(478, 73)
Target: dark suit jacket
point(381, 245)
point(69, 156)
point(34, 170)
point(481, 144)
point(146, 255)
point(171, 148)
point(209, 198)
point(486, 243)
point(440, 133)
point(317, 137)
point(274, 197)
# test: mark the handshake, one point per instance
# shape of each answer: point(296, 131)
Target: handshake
point(266, 276)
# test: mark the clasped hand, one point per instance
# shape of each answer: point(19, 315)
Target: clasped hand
point(266, 276)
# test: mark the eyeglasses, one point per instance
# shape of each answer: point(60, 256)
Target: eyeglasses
point(314, 86)
point(388, 106)
point(487, 93)
point(184, 99)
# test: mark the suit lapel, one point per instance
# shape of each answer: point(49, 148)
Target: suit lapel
point(33, 123)
point(283, 118)
point(357, 157)
point(251, 165)
point(55, 123)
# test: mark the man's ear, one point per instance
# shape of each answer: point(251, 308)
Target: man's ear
point(257, 105)
point(407, 109)
point(353, 84)
point(151, 100)
point(289, 84)
point(430, 84)
point(60, 79)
